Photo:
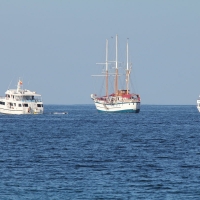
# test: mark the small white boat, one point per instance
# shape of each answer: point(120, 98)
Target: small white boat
point(60, 113)
point(120, 100)
point(198, 104)
point(21, 101)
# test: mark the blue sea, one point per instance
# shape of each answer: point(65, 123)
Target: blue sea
point(154, 154)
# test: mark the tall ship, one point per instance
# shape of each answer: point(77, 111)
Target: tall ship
point(21, 101)
point(119, 100)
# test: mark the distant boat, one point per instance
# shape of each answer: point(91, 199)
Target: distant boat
point(60, 113)
point(21, 101)
point(118, 100)
point(198, 103)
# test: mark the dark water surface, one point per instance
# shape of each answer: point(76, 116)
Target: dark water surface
point(88, 155)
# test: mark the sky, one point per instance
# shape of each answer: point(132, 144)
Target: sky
point(53, 46)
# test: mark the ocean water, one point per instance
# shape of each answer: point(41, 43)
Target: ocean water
point(154, 154)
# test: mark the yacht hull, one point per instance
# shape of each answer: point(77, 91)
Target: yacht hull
point(21, 101)
point(118, 107)
point(32, 109)
point(198, 105)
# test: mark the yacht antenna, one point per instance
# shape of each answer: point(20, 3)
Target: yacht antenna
point(9, 84)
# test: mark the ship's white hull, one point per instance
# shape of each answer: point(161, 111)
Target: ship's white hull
point(31, 109)
point(198, 105)
point(118, 107)
point(19, 112)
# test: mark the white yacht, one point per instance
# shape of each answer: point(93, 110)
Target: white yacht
point(198, 104)
point(120, 100)
point(21, 101)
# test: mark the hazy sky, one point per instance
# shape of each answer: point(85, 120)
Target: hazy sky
point(55, 45)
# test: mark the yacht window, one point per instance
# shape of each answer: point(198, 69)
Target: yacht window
point(14, 104)
point(26, 98)
point(19, 105)
point(11, 104)
point(39, 105)
point(2, 103)
point(25, 105)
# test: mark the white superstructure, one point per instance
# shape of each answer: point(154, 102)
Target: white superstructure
point(119, 100)
point(21, 101)
point(198, 104)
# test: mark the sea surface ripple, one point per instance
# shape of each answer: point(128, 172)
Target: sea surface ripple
point(83, 154)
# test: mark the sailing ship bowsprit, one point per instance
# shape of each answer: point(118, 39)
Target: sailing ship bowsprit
point(119, 100)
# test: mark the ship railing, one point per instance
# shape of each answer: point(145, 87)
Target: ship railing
point(23, 100)
point(135, 100)
point(130, 100)
point(30, 100)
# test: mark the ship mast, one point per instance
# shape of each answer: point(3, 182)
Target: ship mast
point(18, 85)
point(106, 68)
point(116, 70)
point(127, 71)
